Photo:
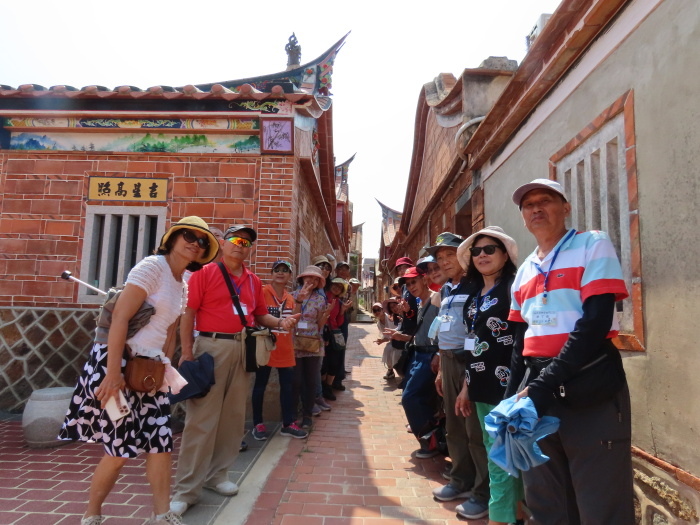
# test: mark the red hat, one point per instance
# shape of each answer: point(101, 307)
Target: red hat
point(410, 274)
point(403, 261)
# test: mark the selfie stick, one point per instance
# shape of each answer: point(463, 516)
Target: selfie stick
point(68, 277)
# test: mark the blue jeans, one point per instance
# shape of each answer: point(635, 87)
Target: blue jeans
point(286, 377)
point(419, 395)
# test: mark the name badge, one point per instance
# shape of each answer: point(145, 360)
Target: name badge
point(445, 326)
point(303, 325)
point(542, 317)
point(470, 342)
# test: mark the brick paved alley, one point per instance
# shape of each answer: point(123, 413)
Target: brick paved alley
point(355, 468)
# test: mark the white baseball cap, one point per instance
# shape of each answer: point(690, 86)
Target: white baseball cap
point(538, 184)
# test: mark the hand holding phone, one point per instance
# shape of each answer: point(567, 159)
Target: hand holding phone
point(117, 408)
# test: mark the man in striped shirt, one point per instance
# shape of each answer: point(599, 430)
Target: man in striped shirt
point(564, 298)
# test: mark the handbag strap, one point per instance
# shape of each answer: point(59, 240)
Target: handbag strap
point(234, 296)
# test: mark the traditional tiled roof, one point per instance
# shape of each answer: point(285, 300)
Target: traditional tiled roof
point(341, 180)
point(312, 80)
point(391, 219)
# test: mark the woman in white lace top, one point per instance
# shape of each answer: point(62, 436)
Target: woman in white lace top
point(157, 279)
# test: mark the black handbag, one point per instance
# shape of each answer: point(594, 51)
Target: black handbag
point(251, 333)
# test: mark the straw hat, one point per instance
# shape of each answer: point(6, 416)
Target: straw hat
point(197, 224)
point(495, 232)
point(312, 271)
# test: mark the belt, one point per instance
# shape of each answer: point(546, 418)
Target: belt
point(428, 349)
point(220, 335)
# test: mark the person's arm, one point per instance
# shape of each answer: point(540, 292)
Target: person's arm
point(270, 321)
point(130, 300)
point(585, 344)
point(517, 362)
point(187, 335)
point(171, 340)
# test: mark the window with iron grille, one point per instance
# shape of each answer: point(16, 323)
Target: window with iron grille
point(115, 239)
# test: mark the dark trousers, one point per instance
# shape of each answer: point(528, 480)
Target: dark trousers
point(419, 395)
point(306, 377)
point(286, 378)
point(340, 367)
point(588, 478)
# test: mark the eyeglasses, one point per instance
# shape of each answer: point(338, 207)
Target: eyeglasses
point(281, 269)
point(240, 241)
point(489, 249)
point(191, 238)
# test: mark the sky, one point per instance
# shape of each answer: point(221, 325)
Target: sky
point(392, 50)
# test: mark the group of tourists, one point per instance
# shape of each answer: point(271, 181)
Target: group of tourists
point(198, 278)
point(466, 328)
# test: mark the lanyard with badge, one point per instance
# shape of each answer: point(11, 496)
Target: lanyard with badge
point(541, 314)
point(446, 319)
point(304, 325)
point(470, 341)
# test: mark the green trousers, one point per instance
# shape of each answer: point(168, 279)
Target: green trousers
point(506, 490)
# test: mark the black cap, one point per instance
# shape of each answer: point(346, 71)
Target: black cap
point(341, 263)
point(240, 227)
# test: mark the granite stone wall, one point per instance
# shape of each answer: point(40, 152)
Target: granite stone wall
point(41, 348)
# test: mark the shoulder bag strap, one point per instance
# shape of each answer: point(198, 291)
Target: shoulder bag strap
point(232, 291)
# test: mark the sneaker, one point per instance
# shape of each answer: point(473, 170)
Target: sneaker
point(322, 403)
point(169, 518)
point(316, 411)
point(244, 447)
point(328, 392)
point(472, 509)
point(92, 520)
point(306, 423)
point(422, 453)
point(259, 431)
point(294, 431)
point(178, 507)
point(337, 385)
point(450, 492)
point(390, 374)
point(225, 488)
point(446, 474)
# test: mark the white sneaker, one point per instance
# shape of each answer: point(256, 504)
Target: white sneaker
point(225, 488)
point(179, 507)
point(92, 520)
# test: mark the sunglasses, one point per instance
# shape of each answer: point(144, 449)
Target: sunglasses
point(376, 310)
point(324, 266)
point(281, 269)
point(240, 241)
point(191, 238)
point(489, 249)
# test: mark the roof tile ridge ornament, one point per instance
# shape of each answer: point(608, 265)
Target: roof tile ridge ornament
point(439, 89)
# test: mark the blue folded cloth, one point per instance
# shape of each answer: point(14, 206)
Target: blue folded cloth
point(199, 375)
point(515, 428)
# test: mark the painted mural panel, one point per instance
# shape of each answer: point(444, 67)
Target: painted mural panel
point(136, 143)
point(144, 123)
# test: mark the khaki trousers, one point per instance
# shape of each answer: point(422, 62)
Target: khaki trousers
point(465, 440)
point(214, 424)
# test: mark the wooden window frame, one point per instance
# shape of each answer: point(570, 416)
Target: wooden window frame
point(624, 105)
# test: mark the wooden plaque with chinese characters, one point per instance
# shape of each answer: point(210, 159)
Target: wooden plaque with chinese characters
point(128, 189)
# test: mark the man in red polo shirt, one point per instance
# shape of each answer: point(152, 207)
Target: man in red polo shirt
point(214, 424)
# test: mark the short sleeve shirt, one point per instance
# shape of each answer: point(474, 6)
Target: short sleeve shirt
point(586, 265)
point(209, 296)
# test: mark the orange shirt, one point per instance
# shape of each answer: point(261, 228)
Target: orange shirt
point(280, 307)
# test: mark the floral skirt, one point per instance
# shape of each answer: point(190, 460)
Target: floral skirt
point(145, 429)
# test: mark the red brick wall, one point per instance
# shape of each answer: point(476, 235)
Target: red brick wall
point(43, 203)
